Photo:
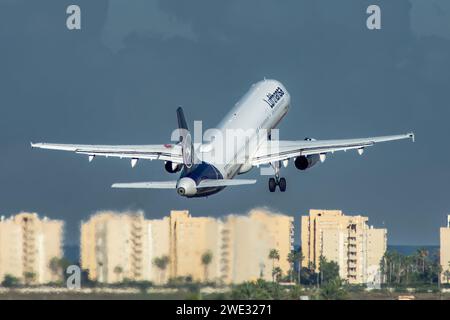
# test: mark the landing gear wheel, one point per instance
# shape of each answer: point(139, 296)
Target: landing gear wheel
point(272, 185)
point(282, 184)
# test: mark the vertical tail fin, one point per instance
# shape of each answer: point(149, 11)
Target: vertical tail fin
point(181, 119)
point(185, 139)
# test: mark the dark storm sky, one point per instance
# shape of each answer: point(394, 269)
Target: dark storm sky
point(120, 79)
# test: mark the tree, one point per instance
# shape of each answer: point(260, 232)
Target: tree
point(422, 253)
point(161, 263)
point(295, 256)
point(274, 255)
point(403, 270)
point(54, 265)
point(10, 281)
point(258, 290)
point(276, 274)
point(329, 270)
point(291, 258)
point(206, 261)
point(118, 270)
point(447, 273)
point(57, 266)
point(29, 277)
point(333, 290)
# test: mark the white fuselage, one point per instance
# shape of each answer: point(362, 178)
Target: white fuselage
point(226, 149)
point(245, 127)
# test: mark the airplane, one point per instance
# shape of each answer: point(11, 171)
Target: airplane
point(202, 172)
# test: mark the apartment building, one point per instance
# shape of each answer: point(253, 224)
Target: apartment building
point(251, 238)
point(347, 240)
point(229, 250)
point(27, 246)
point(445, 252)
point(115, 247)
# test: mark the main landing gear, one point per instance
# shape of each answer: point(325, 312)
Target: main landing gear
point(277, 181)
point(274, 182)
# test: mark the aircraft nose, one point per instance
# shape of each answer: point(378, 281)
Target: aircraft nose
point(186, 187)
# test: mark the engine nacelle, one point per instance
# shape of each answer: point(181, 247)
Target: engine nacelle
point(306, 162)
point(172, 167)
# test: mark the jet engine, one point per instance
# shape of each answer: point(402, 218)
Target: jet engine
point(172, 167)
point(306, 162)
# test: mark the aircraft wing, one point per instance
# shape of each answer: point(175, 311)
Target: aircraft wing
point(272, 151)
point(167, 152)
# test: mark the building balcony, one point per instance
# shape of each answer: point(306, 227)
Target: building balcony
point(136, 266)
point(136, 234)
point(136, 242)
point(224, 261)
point(136, 256)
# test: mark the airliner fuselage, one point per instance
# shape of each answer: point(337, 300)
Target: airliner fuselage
point(259, 110)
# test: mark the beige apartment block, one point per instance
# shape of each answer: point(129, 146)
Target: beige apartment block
point(239, 246)
point(27, 246)
point(115, 247)
point(445, 252)
point(250, 238)
point(347, 240)
point(190, 239)
point(11, 262)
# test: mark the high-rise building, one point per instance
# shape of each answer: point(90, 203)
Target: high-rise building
point(445, 252)
point(251, 238)
point(347, 240)
point(229, 250)
point(28, 245)
point(115, 247)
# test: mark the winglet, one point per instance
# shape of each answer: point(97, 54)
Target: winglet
point(412, 136)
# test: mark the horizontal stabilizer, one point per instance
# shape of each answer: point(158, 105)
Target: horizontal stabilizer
point(147, 185)
point(209, 183)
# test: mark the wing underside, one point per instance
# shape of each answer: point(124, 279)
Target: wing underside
point(271, 151)
point(166, 152)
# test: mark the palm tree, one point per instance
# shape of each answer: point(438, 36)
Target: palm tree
point(118, 271)
point(294, 256)
point(276, 273)
point(161, 263)
point(291, 258)
point(447, 273)
point(422, 254)
point(206, 261)
point(274, 255)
